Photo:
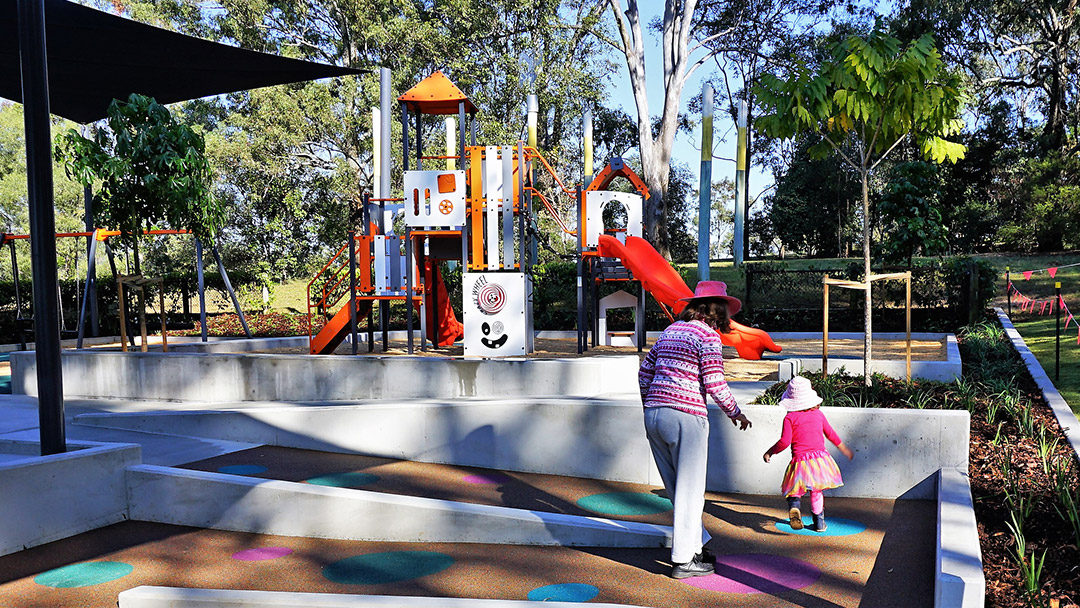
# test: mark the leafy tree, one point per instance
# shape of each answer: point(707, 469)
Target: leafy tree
point(910, 215)
point(813, 207)
point(1046, 214)
point(149, 169)
point(871, 97)
point(304, 151)
point(980, 187)
point(14, 209)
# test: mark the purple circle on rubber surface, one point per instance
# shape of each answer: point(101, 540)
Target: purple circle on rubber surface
point(757, 573)
point(259, 554)
point(488, 479)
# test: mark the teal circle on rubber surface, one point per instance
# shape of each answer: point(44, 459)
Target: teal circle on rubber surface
point(563, 592)
point(242, 469)
point(344, 480)
point(625, 503)
point(389, 567)
point(834, 527)
point(83, 575)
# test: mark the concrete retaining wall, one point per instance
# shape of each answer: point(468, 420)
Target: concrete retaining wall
point(959, 581)
point(245, 504)
point(267, 377)
point(180, 597)
point(37, 492)
point(898, 452)
point(1064, 414)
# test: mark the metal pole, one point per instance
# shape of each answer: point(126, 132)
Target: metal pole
point(91, 270)
point(1057, 332)
point(705, 184)
point(232, 292)
point(1008, 292)
point(91, 276)
point(587, 144)
point(461, 160)
point(740, 186)
point(451, 129)
point(580, 287)
point(202, 288)
point(384, 129)
point(35, 90)
point(18, 296)
point(409, 287)
point(384, 185)
point(352, 289)
point(825, 330)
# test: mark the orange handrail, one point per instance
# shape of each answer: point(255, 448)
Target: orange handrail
point(552, 211)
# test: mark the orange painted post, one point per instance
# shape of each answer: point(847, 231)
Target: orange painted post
point(476, 206)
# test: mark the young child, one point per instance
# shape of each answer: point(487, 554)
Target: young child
point(811, 467)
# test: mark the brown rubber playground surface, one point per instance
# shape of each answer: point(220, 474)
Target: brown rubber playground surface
point(886, 558)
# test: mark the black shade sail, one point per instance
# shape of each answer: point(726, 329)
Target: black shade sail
point(95, 57)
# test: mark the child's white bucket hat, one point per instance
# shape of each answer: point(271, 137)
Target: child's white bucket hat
point(799, 395)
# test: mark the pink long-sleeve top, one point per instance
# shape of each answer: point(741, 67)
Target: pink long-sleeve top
point(685, 365)
point(805, 431)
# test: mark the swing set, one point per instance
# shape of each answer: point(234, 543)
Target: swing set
point(133, 282)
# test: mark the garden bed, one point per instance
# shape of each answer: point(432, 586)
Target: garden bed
point(1023, 472)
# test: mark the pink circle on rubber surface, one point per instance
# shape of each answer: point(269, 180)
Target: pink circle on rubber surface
point(259, 554)
point(757, 573)
point(488, 479)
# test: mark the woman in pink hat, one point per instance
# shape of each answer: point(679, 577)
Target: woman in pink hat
point(812, 467)
point(684, 365)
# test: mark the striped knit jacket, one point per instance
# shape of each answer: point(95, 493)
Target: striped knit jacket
point(684, 365)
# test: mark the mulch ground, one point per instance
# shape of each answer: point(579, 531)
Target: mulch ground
point(890, 563)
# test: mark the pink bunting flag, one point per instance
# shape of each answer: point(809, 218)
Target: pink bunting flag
point(1052, 271)
point(1067, 319)
point(1027, 275)
point(1042, 309)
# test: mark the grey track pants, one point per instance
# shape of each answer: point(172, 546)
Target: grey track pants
point(680, 447)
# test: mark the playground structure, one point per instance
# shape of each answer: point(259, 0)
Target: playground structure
point(479, 212)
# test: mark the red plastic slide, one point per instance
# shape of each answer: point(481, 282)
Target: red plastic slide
point(665, 284)
point(450, 330)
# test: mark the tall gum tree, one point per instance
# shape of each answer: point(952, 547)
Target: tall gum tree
point(870, 97)
point(655, 144)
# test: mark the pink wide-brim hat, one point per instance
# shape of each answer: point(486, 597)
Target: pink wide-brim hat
point(799, 395)
point(717, 290)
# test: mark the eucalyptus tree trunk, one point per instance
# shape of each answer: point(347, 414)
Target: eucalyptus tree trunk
point(655, 148)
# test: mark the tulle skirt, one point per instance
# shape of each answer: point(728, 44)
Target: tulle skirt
point(813, 470)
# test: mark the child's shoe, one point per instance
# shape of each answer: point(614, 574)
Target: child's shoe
point(819, 522)
point(794, 514)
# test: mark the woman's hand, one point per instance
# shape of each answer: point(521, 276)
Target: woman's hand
point(846, 451)
point(741, 421)
point(766, 457)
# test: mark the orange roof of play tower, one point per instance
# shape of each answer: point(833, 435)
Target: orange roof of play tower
point(436, 95)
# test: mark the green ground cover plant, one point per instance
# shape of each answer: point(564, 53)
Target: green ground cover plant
point(1024, 476)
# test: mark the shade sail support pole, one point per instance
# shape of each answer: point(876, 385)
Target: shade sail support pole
point(39, 182)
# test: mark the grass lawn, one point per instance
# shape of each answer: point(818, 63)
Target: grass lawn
point(1038, 333)
point(290, 296)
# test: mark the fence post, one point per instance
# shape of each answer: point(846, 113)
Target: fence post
point(749, 283)
point(1008, 292)
point(1057, 332)
point(973, 292)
